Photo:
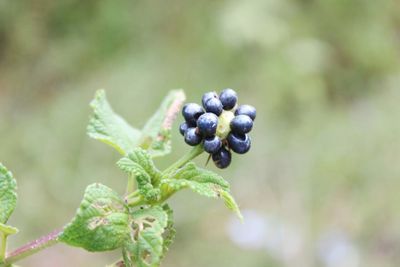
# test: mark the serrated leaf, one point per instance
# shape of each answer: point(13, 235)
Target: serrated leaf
point(139, 164)
point(170, 232)
point(191, 172)
point(203, 182)
point(108, 127)
point(145, 245)
point(156, 134)
point(101, 222)
point(231, 204)
point(8, 194)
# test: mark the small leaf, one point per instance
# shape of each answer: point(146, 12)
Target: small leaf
point(8, 194)
point(101, 222)
point(156, 134)
point(146, 241)
point(230, 203)
point(109, 127)
point(141, 166)
point(203, 182)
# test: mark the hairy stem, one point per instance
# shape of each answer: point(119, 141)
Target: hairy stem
point(196, 151)
point(31, 248)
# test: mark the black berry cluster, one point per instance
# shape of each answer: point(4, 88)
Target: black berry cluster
point(220, 125)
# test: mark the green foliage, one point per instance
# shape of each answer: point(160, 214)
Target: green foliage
point(101, 222)
point(8, 194)
point(139, 165)
point(146, 245)
point(108, 127)
point(169, 234)
point(8, 200)
point(203, 182)
point(156, 134)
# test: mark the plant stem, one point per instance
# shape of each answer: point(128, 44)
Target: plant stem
point(197, 150)
point(3, 245)
point(31, 248)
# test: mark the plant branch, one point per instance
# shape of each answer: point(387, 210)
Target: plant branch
point(31, 248)
point(196, 151)
point(3, 245)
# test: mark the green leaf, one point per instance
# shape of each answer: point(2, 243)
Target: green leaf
point(203, 182)
point(140, 165)
point(170, 232)
point(156, 134)
point(145, 245)
point(8, 194)
point(109, 127)
point(101, 222)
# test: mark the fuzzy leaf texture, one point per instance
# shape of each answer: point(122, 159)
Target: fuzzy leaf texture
point(170, 232)
point(8, 194)
point(108, 127)
point(140, 165)
point(156, 134)
point(145, 246)
point(101, 222)
point(203, 182)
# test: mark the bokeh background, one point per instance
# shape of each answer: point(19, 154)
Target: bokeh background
point(321, 185)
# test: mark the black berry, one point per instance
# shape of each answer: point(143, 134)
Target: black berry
point(207, 124)
point(228, 98)
point(222, 158)
point(246, 110)
point(212, 144)
point(214, 105)
point(239, 143)
point(241, 124)
point(208, 96)
point(192, 138)
point(183, 128)
point(191, 112)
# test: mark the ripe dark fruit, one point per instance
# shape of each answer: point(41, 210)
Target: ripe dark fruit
point(228, 98)
point(214, 105)
point(222, 158)
point(239, 143)
point(241, 124)
point(207, 124)
point(191, 112)
point(208, 96)
point(246, 110)
point(212, 144)
point(183, 127)
point(192, 138)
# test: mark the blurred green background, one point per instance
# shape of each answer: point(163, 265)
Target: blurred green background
point(321, 185)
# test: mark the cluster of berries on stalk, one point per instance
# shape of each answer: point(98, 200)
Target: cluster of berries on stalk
point(221, 126)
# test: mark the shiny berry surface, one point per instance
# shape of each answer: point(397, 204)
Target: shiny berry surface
point(241, 124)
point(228, 98)
point(239, 143)
point(222, 158)
point(207, 124)
point(246, 110)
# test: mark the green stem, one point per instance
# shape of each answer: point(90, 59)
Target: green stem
point(3, 246)
point(197, 150)
point(31, 248)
